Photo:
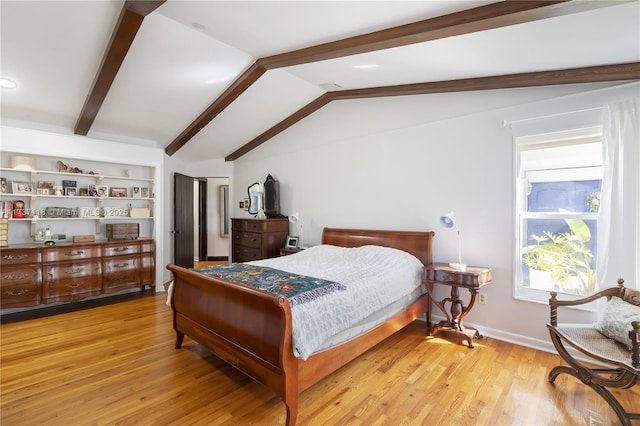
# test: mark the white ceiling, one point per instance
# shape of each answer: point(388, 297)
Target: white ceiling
point(174, 71)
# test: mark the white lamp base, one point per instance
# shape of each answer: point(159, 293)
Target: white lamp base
point(458, 266)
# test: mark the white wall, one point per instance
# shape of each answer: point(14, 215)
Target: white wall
point(405, 178)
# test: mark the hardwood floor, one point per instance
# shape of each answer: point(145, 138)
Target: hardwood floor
point(116, 364)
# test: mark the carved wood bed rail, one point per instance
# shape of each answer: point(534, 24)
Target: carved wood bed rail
point(251, 329)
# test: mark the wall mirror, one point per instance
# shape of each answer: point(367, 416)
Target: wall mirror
point(271, 197)
point(255, 198)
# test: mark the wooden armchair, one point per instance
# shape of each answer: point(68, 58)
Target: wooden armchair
point(623, 365)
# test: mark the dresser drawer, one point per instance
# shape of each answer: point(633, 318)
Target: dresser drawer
point(71, 281)
point(19, 256)
point(20, 286)
point(247, 239)
point(120, 273)
point(121, 249)
point(147, 271)
point(473, 277)
point(71, 253)
point(246, 254)
point(147, 246)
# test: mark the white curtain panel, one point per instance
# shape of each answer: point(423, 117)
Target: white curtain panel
point(619, 216)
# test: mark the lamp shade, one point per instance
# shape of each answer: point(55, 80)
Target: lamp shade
point(448, 220)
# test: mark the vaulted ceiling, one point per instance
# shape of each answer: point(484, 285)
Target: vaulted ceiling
point(215, 79)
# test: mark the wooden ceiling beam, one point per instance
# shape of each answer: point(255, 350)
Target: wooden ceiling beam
point(595, 74)
point(481, 18)
point(129, 22)
point(305, 111)
point(250, 76)
point(468, 21)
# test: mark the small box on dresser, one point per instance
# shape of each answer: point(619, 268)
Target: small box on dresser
point(123, 231)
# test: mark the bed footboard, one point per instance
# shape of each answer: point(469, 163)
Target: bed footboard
point(249, 329)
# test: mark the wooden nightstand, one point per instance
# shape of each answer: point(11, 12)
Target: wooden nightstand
point(473, 278)
point(288, 251)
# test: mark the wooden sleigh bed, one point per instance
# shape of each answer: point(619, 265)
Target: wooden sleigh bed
point(252, 329)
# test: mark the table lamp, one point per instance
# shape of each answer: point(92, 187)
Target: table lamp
point(295, 219)
point(449, 221)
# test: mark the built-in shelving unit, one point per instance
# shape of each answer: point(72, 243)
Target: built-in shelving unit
point(40, 209)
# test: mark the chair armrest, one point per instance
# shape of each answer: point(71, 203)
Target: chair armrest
point(634, 335)
point(554, 303)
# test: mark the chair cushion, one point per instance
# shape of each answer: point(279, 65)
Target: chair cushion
point(616, 321)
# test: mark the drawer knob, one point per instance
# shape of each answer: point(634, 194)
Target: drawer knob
point(76, 253)
point(75, 285)
point(11, 277)
point(72, 271)
point(120, 265)
point(16, 292)
point(122, 248)
point(15, 257)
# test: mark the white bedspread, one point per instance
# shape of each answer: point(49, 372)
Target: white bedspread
point(374, 276)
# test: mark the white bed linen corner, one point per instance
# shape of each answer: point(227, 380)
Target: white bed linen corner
point(375, 277)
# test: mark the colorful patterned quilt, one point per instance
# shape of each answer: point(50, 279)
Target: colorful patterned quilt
point(297, 288)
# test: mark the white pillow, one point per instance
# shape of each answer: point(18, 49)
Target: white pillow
point(616, 321)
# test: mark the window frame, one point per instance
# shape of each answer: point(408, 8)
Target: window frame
point(592, 169)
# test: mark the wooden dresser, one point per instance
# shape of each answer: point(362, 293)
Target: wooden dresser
point(31, 275)
point(255, 239)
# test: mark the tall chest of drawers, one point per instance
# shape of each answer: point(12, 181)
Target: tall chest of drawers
point(255, 239)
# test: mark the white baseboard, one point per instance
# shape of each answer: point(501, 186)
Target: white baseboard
point(517, 339)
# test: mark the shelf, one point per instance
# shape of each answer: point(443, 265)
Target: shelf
point(84, 197)
point(42, 219)
point(95, 176)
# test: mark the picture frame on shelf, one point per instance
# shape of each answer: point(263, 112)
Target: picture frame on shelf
point(83, 192)
point(92, 190)
point(3, 185)
point(118, 192)
point(69, 184)
point(45, 184)
point(70, 191)
point(22, 187)
point(144, 192)
point(135, 192)
point(43, 191)
point(57, 190)
point(103, 191)
point(292, 242)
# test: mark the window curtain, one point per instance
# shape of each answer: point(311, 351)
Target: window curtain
point(619, 214)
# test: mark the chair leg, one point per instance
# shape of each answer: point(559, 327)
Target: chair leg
point(619, 379)
point(584, 377)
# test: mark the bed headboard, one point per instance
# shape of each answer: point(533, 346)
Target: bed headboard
point(416, 243)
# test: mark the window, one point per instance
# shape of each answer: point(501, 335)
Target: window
point(557, 200)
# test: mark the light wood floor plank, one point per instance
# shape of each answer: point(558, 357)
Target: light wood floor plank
point(116, 365)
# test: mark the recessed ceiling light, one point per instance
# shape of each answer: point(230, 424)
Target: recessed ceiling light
point(365, 66)
point(7, 84)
